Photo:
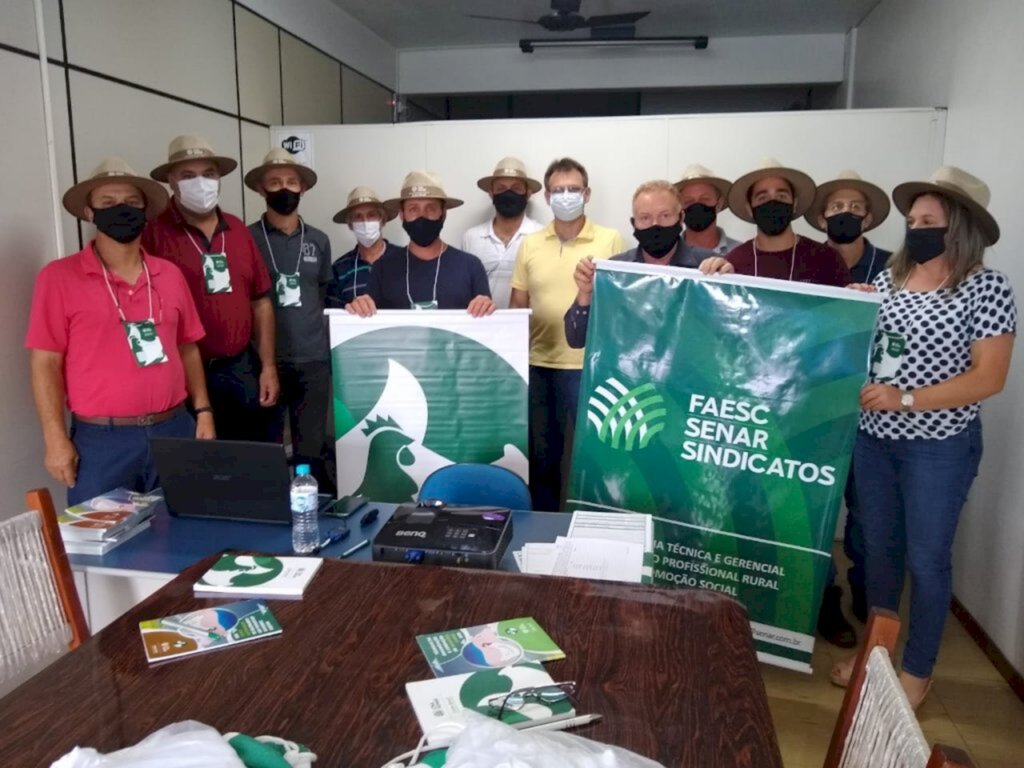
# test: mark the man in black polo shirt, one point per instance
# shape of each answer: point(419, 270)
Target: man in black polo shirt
point(428, 273)
point(657, 226)
point(298, 258)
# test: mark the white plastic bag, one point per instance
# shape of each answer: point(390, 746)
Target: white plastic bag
point(487, 743)
point(180, 745)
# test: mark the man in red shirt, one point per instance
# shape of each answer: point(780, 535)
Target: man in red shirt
point(113, 332)
point(229, 283)
point(771, 197)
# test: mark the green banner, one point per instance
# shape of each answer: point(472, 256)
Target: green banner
point(416, 391)
point(726, 407)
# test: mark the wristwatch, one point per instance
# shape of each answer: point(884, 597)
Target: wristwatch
point(906, 401)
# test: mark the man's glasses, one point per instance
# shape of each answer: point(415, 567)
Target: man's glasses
point(545, 694)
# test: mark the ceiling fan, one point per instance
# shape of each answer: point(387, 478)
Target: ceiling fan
point(565, 17)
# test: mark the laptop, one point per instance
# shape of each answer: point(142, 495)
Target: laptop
point(225, 479)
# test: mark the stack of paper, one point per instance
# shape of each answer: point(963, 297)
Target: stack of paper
point(612, 546)
point(96, 526)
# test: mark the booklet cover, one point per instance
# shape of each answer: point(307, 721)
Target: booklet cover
point(100, 548)
point(107, 515)
point(258, 576)
point(207, 629)
point(488, 646)
point(441, 701)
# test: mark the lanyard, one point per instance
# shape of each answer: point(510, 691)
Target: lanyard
point(302, 243)
point(871, 264)
point(437, 271)
point(117, 304)
point(200, 250)
point(792, 257)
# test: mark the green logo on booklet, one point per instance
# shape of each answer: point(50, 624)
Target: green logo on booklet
point(420, 399)
point(243, 571)
point(625, 418)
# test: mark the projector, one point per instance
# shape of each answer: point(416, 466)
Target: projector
point(435, 533)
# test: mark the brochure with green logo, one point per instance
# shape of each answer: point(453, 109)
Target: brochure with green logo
point(208, 629)
point(258, 576)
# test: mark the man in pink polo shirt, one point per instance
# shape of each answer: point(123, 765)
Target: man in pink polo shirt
point(113, 333)
point(230, 286)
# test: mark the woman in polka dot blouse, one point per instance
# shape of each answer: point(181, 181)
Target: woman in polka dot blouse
point(942, 345)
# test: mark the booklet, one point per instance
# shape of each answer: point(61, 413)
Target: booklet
point(107, 515)
point(100, 548)
point(207, 629)
point(258, 576)
point(488, 646)
point(442, 701)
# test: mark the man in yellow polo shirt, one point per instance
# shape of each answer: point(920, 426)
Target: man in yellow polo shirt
point(542, 280)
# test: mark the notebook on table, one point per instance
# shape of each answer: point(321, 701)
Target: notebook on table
point(225, 479)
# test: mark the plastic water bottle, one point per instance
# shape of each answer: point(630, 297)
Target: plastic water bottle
point(304, 503)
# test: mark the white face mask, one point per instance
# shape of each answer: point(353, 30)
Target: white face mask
point(567, 206)
point(366, 232)
point(199, 194)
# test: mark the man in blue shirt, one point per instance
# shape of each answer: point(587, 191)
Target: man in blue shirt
point(846, 208)
point(365, 216)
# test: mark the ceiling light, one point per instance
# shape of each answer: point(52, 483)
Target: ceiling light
point(699, 42)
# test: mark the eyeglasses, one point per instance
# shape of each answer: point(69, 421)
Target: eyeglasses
point(545, 694)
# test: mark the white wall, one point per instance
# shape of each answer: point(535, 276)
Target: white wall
point(325, 25)
point(968, 56)
point(619, 153)
point(776, 60)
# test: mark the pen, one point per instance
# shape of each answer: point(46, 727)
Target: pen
point(356, 548)
point(332, 538)
point(561, 725)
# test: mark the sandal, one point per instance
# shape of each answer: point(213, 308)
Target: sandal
point(842, 671)
point(912, 687)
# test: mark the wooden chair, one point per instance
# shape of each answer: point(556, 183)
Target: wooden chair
point(42, 615)
point(876, 727)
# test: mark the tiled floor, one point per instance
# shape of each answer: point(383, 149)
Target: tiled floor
point(970, 706)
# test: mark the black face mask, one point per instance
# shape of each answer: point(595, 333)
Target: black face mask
point(122, 223)
point(699, 217)
point(773, 217)
point(423, 231)
point(844, 227)
point(284, 201)
point(657, 240)
point(925, 243)
point(509, 203)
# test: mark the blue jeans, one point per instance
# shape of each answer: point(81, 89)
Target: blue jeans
point(554, 395)
point(911, 493)
point(853, 539)
point(112, 457)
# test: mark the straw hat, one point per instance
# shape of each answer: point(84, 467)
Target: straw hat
point(803, 187)
point(878, 201)
point(276, 158)
point(361, 196)
point(958, 184)
point(420, 184)
point(115, 170)
point(697, 172)
point(188, 147)
point(509, 168)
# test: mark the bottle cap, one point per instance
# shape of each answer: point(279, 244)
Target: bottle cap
point(302, 469)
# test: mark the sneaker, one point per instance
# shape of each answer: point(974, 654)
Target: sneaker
point(832, 624)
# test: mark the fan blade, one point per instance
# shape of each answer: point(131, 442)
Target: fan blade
point(614, 19)
point(499, 18)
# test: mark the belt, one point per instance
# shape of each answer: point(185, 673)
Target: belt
point(132, 421)
point(229, 359)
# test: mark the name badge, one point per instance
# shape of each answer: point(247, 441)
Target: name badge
point(887, 356)
point(287, 290)
point(145, 344)
point(215, 270)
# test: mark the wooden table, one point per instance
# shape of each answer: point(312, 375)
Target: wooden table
point(673, 671)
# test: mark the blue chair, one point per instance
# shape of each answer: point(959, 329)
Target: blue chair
point(477, 484)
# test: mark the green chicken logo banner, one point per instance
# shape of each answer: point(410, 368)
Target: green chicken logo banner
point(726, 407)
point(416, 391)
